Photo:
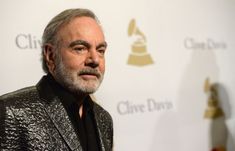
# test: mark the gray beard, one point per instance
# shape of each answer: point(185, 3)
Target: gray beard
point(70, 79)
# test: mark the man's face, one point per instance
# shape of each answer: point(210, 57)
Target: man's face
point(80, 62)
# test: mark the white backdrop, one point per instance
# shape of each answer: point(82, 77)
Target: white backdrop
point(158, 106)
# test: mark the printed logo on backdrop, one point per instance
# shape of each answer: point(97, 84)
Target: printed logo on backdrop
point(216, 116)
point(207, 44)
point(213, 109)
point(27, 41)
point(139, 55)
point(149, 105)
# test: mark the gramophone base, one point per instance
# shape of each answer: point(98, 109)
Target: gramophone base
point(140, 60)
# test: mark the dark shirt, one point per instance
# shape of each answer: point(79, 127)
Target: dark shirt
point(84, 126)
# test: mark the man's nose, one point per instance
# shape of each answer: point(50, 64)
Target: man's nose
point(92, 58)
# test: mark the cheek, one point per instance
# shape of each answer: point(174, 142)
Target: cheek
point(73, 63)
point(102, 66)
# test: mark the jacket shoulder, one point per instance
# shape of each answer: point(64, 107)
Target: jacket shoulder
point(21, 96)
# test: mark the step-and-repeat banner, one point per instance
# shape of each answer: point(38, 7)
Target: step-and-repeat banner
point(170, 80)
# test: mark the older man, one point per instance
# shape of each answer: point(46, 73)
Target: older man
point(58, 113)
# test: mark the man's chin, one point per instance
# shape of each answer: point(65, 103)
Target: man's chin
point(88, 90)
point(88, 87)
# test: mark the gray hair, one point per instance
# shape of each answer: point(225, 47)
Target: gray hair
point(52, 28)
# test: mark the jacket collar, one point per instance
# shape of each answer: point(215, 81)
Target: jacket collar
point(58, 114)
point(60, 118)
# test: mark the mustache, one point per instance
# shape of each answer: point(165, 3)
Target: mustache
point(91, 71)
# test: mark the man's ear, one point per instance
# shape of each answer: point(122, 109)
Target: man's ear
point(49, 55)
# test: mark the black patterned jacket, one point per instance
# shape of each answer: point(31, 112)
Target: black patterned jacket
point(34, 119)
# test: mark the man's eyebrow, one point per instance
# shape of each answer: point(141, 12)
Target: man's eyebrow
point(85, 43)
point(103, 44)
point(79, 42)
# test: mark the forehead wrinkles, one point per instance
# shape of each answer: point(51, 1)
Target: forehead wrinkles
point(90, 31)
point(83, 27)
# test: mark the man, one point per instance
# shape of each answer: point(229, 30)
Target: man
point(58, 113)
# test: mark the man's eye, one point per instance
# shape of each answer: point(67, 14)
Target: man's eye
point(80, 48)
point(101, 51)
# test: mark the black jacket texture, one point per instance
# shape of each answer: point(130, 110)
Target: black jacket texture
point(34, 119)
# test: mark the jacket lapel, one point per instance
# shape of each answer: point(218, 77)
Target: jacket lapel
point(100, 135)
point(58, 115)
point(99, 119)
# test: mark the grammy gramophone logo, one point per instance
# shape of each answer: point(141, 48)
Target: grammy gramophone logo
point(213, 109)
point(214, 113)
point(139, 55)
